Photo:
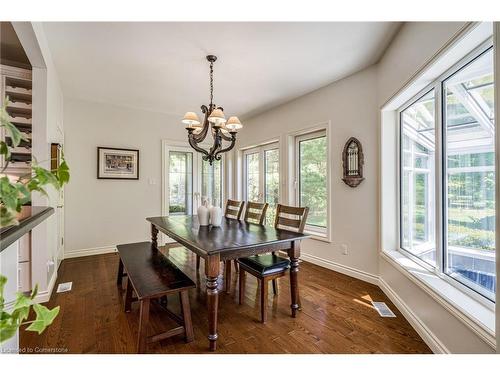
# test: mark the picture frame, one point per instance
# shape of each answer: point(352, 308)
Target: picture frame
point(117, 163)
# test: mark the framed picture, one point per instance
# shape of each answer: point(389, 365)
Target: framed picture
point(117, 163)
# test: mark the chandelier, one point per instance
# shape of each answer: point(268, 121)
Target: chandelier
point(215, 122)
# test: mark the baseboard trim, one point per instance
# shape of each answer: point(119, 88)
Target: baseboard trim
point(44, 296)
point(424, 332)
point(346, 270)
point(91, 251)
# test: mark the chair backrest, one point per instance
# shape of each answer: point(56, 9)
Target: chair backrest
point(256, 212)
point(234, 209)
point(291, 218)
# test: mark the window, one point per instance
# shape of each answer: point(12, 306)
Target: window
point(180, 180)
point(271, 182)
point(211, 182)
point(417, 178)
point(262, 178)
point(252, 177)
point(469, 147)
point(312, 179)
point(459, 113)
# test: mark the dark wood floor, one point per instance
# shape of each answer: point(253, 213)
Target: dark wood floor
point(336, 315)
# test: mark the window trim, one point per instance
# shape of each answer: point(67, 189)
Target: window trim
point(440, 211)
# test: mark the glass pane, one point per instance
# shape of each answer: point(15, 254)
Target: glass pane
point(211, 182)
point(417, 179)
point(313, 179)
point(271, 183)
point(470, 157)
point(180, 180)
point(252, 178)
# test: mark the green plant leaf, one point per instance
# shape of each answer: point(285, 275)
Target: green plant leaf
point(44, 318)
point(4, 150)
point(8, 328)
point(3, 281)
point(63, 173)
point(15, 135)
point(7, 217)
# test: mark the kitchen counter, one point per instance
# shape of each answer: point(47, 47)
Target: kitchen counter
point(29, 217)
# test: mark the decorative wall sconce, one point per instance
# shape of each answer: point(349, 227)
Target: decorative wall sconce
point(353, 160)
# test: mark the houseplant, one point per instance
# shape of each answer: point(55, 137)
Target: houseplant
point(13, 194)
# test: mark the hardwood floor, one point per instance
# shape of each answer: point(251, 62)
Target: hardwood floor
point(336, 315)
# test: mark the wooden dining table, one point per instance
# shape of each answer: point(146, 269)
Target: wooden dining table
point(232, 240)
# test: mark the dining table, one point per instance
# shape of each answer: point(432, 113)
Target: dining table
point(233, 239)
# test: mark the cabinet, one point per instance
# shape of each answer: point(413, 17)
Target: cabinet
point(16, 85)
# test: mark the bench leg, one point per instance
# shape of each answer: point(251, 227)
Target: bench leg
point(128, 296)
point(186, 315)
point(227, 276)
point(143, 326)
point(241, 295)
point(236, 268)
point(263, 300)
point(198, 258)
point(119, 277)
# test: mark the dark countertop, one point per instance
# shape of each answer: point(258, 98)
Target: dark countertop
point(29, 217)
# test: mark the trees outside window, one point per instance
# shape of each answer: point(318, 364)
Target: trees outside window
point(312, 178)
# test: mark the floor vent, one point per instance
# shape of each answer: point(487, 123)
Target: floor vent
point(383, 310)
point(64, 287)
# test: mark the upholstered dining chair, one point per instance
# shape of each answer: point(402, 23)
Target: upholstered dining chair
point(271, 266)
point(233, 210)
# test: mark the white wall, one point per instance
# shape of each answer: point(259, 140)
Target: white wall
point(350, 105)
point(413, 47)
point(104, 213)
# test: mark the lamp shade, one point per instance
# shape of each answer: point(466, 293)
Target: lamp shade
point(217, 117)
point(233, 124)
point(191, 120)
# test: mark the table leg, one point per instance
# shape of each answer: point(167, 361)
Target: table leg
point(154, 236)
point(294, 254)
point(212, 265)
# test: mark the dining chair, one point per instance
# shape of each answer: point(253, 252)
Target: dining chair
point(271, 266)
point(255, 212)
point(233, 210)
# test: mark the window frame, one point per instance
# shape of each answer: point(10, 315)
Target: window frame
point(437, 85)
point(317, 232)
point(401, 110)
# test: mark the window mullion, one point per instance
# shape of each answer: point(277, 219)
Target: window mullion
point(440, 178)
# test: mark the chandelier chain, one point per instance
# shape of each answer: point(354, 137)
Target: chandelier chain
point(211, 82)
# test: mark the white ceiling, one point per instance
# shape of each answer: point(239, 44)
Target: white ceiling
point(162, 66)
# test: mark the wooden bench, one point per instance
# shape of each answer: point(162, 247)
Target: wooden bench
point(152, 276)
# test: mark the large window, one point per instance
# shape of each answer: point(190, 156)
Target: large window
point(312, 178)
point(461, 135)
point(211, 182)
point(180, 183)
point(262, 177)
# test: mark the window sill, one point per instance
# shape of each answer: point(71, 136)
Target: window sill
point(479, 317)
point(318, 236)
